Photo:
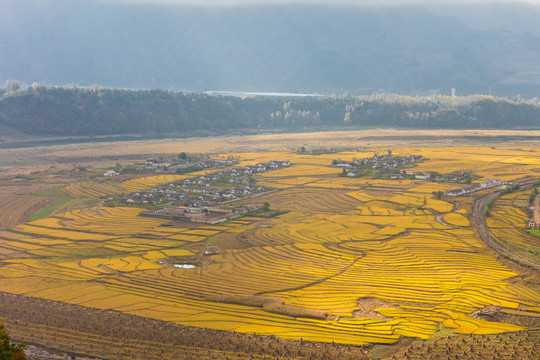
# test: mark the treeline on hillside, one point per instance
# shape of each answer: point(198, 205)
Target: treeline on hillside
point(74, 111)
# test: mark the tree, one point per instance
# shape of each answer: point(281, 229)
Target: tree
point(182, 156)
point(12, 85)
point(532, 196)
point(9, 351)
point(266, 206)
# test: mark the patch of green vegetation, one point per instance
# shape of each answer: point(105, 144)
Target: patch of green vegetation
point(509, 189)
point(97, 251)
point(534, 232)
point(49, 209)
point(90, 202)
point(442, 332)
point(487, 208)
point(265, 212)
point(189, 169)
point(53, 192)
point(532, 196)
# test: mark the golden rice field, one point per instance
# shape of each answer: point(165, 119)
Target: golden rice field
point(341, 243)
point(508, 223)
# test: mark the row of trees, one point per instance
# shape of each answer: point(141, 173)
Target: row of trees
point(74, 111)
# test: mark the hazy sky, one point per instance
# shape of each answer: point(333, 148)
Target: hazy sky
point(330, 2)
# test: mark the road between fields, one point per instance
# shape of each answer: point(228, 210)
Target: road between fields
point(479, 204)
point(440, 218)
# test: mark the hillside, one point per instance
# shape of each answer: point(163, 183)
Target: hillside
point(262, 48)
point(68, 112)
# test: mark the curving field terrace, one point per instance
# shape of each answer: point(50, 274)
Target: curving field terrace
point(15, 209)
point(508, 225)
point(352, 261)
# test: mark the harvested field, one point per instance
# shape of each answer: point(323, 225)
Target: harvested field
point(15, 209)
point(95, 333)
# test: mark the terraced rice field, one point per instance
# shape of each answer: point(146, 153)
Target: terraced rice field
point(311, 273)
point(508, 223)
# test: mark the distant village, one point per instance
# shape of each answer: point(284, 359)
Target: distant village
point(200, 198)
point(395, 168)
point(486, 184)
point(391, 167)
point(181, 165)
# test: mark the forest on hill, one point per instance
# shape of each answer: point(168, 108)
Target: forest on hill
point(62, 111)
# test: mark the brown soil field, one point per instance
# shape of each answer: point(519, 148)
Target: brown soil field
point(15, 209)
point(71, 330)
point(103, 334)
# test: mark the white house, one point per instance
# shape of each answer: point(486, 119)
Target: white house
point(111, 173)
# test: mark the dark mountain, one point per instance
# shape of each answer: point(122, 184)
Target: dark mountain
point(261, 48)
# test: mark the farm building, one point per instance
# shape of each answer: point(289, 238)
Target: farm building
point(211, 250)
point(110, 173)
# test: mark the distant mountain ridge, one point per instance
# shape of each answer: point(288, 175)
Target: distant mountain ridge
point(261, 48)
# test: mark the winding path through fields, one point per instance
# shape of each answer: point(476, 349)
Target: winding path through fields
point(440, 218)
point(480, 224)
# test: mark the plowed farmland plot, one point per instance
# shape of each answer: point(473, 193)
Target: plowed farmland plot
point(14, 209)
point(351, 260)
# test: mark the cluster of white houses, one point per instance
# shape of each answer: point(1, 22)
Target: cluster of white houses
point(486, 184)
point(429, 175)
point(378, 162)
point(208, 190)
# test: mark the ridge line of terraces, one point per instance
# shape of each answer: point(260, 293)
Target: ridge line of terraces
point(358, 256)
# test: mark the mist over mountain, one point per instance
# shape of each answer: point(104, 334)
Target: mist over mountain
point(286, 48)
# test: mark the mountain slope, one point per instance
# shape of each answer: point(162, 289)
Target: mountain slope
point(261, 48)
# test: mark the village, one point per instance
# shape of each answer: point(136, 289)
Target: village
point(200, 198)
point(180, 165)
point(395, 167)
point(486, 184)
